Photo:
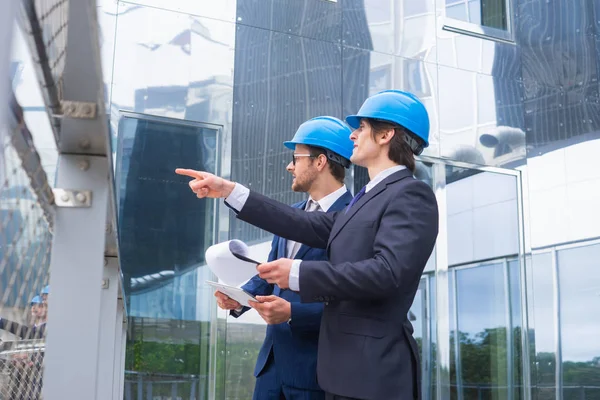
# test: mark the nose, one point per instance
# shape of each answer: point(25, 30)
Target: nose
point(353, 136)
point(290, 167)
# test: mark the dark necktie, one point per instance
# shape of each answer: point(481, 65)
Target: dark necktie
point(356, 198)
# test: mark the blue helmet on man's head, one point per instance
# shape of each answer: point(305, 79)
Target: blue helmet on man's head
point(46, 289)
point(401, 108)
point(328, 133)
point(35, 300)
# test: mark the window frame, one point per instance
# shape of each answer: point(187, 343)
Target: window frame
point(480, 31)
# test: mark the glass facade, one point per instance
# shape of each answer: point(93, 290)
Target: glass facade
point(508, 304)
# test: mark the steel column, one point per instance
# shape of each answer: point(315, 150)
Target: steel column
point(441, 283)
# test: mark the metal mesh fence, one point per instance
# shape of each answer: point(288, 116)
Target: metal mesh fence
point(45, 25)
point(25, 243)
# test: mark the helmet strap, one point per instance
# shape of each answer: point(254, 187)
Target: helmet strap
point(414, 144)
point(337, 159)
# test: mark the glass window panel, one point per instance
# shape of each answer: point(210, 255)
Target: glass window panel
point(579, 285)
point(494, 13)
point(163, 233)
point(484, 296)
point(476, 201)
point(475, 11)
point(481, 308)
point(457, 11)
point(419, 317)
point(545, 339)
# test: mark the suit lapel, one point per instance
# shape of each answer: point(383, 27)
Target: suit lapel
point(282, 249)
point(343, 218)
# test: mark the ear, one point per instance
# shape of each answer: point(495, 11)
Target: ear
point(386, 136)
point(321, 162)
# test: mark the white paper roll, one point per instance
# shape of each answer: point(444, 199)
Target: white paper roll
point(229, 269)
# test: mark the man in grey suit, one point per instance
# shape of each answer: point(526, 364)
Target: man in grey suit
point(378, 247)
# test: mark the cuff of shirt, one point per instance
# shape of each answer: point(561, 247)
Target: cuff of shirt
point(238, 197)
point(294, 280)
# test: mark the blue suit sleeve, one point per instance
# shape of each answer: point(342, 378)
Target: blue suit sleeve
point(306, 316)
point(258, 286)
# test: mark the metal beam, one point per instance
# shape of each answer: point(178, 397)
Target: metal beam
point(442, 287)
point(72, 360)
point(110, 329)
point(120, 342)
point(83, 83)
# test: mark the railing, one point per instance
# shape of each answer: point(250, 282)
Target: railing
point(148, 386)
point(539, 392)
point(26, 217)
point(21, 367)
point(43, 242)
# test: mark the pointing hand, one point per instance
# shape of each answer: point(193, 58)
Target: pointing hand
point(206, 184)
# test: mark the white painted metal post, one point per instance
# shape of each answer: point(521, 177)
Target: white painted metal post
point(108, 329)
point(119, 357)
point(77, 267)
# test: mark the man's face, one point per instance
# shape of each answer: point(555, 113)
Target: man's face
point(35, 310)
point(303, 171)
point(365, 148)
point(42, 310)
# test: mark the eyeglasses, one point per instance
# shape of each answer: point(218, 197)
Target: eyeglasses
point(294, 156)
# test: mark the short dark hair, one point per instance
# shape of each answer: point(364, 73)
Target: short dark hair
point(400, 152)
point(337, 170)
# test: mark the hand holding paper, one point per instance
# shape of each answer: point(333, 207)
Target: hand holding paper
point(277, 272)
point(225, 302)
point(229, 261)
point(273, 309)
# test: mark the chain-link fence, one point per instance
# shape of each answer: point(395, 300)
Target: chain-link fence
point(25, 243)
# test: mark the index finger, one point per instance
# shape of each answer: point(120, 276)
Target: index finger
point(189, 172)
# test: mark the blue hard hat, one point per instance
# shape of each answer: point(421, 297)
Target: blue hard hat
point(35, 300)
point(46, 290)
point(399, 107)
point(328, 133)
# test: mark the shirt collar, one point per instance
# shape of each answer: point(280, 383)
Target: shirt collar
point(326, 202)
point(382, 175)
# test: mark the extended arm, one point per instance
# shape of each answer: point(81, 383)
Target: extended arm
point(311, 229)
point(402, 245)
point(280, 219)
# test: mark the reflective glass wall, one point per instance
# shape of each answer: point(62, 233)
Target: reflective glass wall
point(506, 304)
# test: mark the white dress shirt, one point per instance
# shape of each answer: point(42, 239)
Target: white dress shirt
point(238, 197)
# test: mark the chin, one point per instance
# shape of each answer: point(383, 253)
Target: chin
point(356, 161)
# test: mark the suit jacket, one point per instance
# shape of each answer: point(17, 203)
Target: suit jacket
point(294, 345)
point(23, 331)
point(377, 252)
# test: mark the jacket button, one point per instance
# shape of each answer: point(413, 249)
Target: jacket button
point(326, 303)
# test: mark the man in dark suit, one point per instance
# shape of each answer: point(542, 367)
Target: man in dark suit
point(287, 363)
point(377, 248)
